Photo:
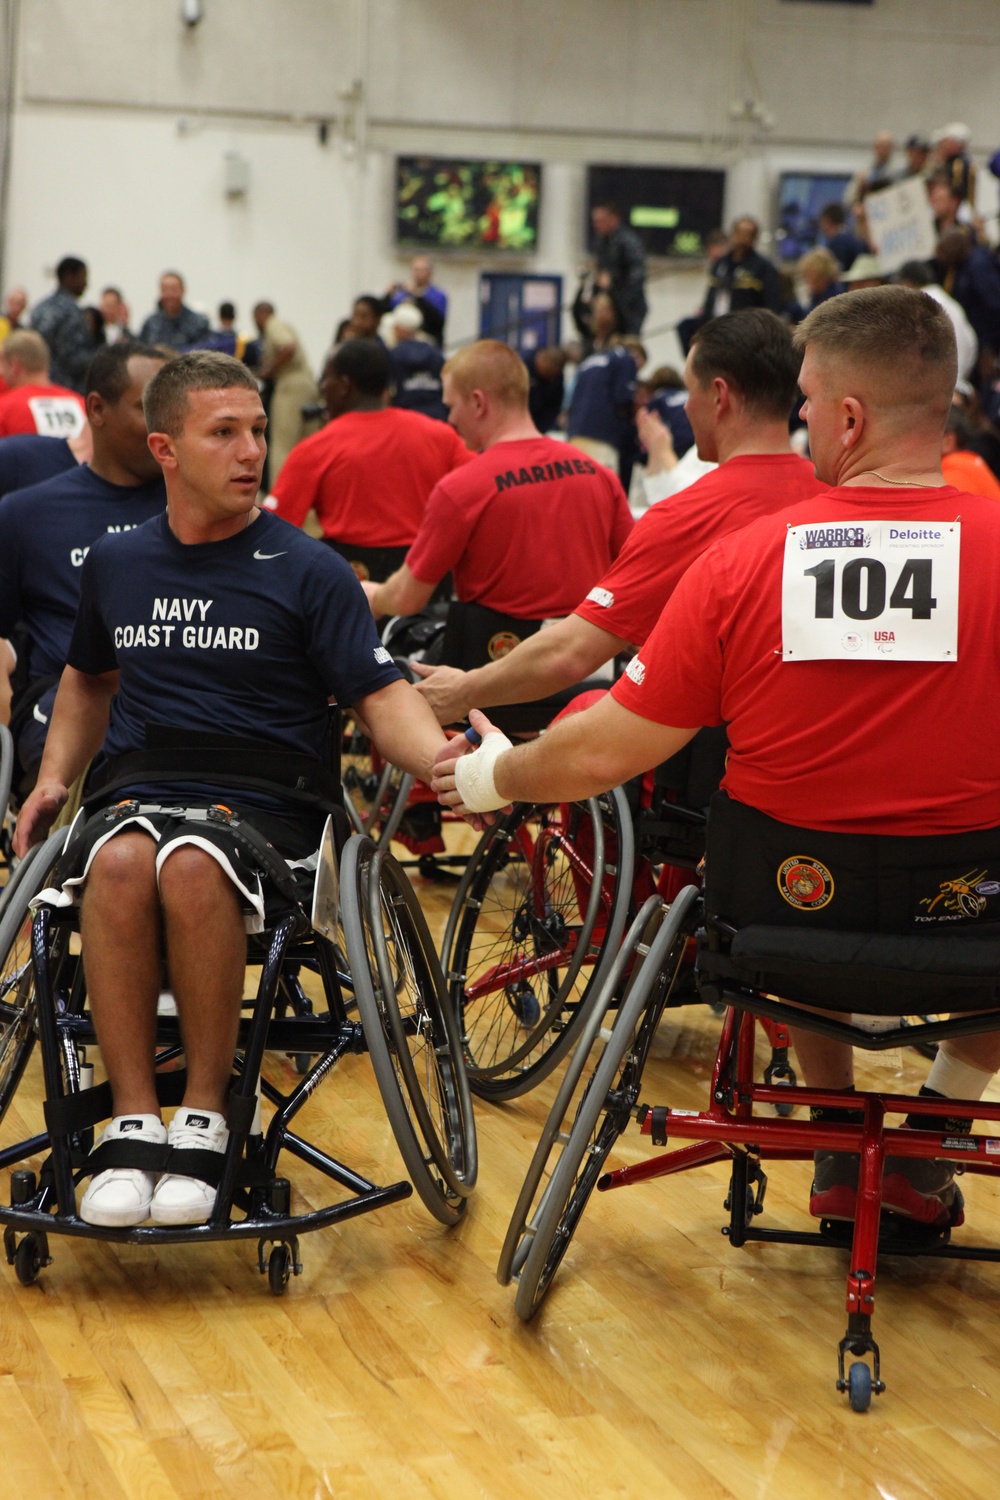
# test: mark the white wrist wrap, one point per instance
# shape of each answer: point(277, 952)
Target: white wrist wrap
point(474, 774)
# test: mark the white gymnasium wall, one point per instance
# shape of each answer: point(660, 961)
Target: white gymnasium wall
point(124, 118)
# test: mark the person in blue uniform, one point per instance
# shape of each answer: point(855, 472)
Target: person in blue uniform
point(47, 529)
point(214, 615)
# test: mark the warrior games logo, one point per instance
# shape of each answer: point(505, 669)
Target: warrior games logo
point(824, 538)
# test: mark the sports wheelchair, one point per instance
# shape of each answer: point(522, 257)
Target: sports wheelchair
point(541, 909)
point(864, 953)
point(388, 998)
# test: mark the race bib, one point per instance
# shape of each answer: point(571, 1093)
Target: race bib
point(56, 416)
point(871, 591)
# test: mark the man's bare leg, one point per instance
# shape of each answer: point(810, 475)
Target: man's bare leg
point(825, 1064)
point(206, 960)
point(120, 929)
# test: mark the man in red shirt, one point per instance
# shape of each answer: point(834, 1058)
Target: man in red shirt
point(529, 525)
point(31, 403)
point(834, 725)
point(742, 376)
point(525, 529)
point(368, 473)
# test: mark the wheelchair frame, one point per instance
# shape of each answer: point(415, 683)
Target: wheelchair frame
point(52, 993)
point(731, 1130)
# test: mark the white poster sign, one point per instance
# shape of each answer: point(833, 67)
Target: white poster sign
point(901, 224)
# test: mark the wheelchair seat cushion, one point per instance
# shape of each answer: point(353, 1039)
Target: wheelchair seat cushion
point(871, 973)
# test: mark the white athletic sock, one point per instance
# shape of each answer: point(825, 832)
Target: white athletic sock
point(955, 1079)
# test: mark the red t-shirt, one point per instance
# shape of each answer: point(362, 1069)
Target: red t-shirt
point(628, 600)
point(45, 410)
point(368, 474)
point(842, 746)
point(525, 529)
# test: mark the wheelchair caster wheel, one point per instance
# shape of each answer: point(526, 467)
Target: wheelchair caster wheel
point(301, 1062)
point(784, 1110)
point(524, 1003)
point(28, 1260)
point(859, 1386)
point(279, 1269)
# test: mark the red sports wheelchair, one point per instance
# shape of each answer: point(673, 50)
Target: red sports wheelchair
point(866, 949)
point(541, 909)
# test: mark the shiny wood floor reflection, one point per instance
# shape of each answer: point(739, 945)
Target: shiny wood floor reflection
point(664, 1363)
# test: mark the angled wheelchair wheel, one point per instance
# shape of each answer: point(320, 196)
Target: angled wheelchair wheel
point(536, 920)
point(555, 1132)
point(375, 793)
point(605, 1108)
point(18, 1006)
point(412, 1039)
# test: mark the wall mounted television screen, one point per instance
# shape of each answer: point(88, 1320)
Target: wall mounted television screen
point(450, 203)
point(671, 209)
point(802, 196)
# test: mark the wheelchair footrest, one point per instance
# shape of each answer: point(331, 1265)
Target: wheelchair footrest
point(259, 1225)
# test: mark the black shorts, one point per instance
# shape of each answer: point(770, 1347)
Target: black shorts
point(191, 826)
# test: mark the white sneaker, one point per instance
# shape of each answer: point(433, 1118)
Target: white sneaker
point(187, 1200)
point(120, 1196)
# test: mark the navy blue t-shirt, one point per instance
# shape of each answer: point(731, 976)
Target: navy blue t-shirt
point(416, 372)
point(45, 534)
point(246, 637)
point(601, 403)
point(28, 459)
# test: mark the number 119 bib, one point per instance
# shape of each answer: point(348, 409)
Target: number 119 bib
point(871, 591)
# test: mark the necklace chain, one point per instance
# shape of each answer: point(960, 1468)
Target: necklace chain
point(910, 484)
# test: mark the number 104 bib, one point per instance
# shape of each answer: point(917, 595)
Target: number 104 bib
point(871, 591)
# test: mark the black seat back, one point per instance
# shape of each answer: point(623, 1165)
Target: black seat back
point(673, 827)
point(474, 636)
point(863, 922)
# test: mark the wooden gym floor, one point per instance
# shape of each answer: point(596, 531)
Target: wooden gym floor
point(664, 1363)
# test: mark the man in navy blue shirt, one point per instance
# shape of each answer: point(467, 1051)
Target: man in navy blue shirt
point(47, 529)
point(415, 365)
point(213, 615)
point(600, 408)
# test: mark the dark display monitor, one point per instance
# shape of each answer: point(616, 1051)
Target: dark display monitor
point(802, 196)
point(671, 209)
point(450, 203)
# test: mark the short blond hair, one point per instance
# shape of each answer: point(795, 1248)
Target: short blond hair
point(492, 367)
point(29, 349)
point(822, 262)
point(896, 344)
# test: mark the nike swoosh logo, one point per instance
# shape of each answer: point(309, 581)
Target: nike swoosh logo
point(36, 713)
point(266, 556)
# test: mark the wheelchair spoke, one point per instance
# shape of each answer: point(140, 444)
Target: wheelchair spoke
point(529, 924)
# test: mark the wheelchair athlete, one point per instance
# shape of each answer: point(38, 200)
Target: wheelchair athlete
point(211, 617)
point(46, 530)
point(525, 528)
point(887, 723)
point(741, 378)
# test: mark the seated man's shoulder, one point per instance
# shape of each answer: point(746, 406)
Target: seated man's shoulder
point(46, 494)
point(277, 538)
